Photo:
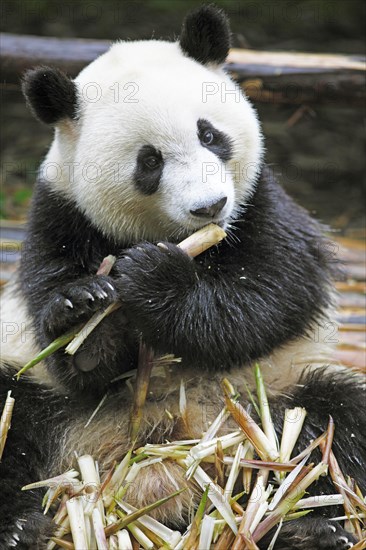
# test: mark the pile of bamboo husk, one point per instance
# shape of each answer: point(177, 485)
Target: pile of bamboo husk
point(256, 486)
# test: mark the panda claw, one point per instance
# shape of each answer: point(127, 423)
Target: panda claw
point(68, 303)
point(90, 296)
point(332, 528)
point(110, 286)
point(346, 542)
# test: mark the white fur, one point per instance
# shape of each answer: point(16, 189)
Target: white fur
point(92, 160)
point(17, 340)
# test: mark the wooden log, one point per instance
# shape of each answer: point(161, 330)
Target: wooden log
point(299, 78)
point(21, 52)
point(278, 77)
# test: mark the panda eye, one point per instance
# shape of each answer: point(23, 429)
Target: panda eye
point(152, 162)
point(207, 137)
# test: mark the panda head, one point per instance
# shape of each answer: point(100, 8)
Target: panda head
point(153, 139)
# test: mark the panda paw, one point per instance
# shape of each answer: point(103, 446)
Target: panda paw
point(29, 533)
point(151, 273)
point(76, 302)
point(310, 534)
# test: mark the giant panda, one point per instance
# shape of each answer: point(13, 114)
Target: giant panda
point(151, 157)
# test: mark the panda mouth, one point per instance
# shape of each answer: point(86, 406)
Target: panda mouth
point(218, 221)
point(195, 224)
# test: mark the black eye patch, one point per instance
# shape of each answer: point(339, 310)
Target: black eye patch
point(213, 139)
point(149, 167)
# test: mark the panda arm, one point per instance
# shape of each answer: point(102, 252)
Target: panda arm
point(237, 302)
point(60, 258)
point(59, 262)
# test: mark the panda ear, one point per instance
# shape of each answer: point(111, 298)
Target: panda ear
point(50, 94)
point(205, 35)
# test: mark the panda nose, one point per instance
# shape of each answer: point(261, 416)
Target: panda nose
point(210, 211)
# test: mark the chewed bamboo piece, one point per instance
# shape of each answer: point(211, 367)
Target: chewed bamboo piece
point(88, 328)
point(5, 421)
point(202, 240)
point(93, 513)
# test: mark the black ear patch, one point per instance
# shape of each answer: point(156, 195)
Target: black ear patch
point(206, 35)
point(50, 94)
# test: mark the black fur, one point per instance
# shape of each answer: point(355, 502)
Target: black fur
point(51, 94)
point(146, 176)
point(221, 144)
point(70, 250)
point(205, 35)
point(235, 303)
point(310, 533)
point(38, 421)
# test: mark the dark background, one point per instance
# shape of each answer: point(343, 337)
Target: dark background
point(320, 159)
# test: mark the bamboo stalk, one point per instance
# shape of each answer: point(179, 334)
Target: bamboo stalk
point(207, 530)
point(265, 413)
point(98, 526)
point(295, 494)
point(77, 523)
point(219, 464)
point(133, 516)
point(195, 525)
point(104, 269)
point(170, 537)
point(256, 436)
point(257, 497)
point(329, 441)
point(294, 420)
point(144, 367)
point(88, 328)
point(5, 421)
point(60, 342)
point(63, 543)
point(202, 240)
